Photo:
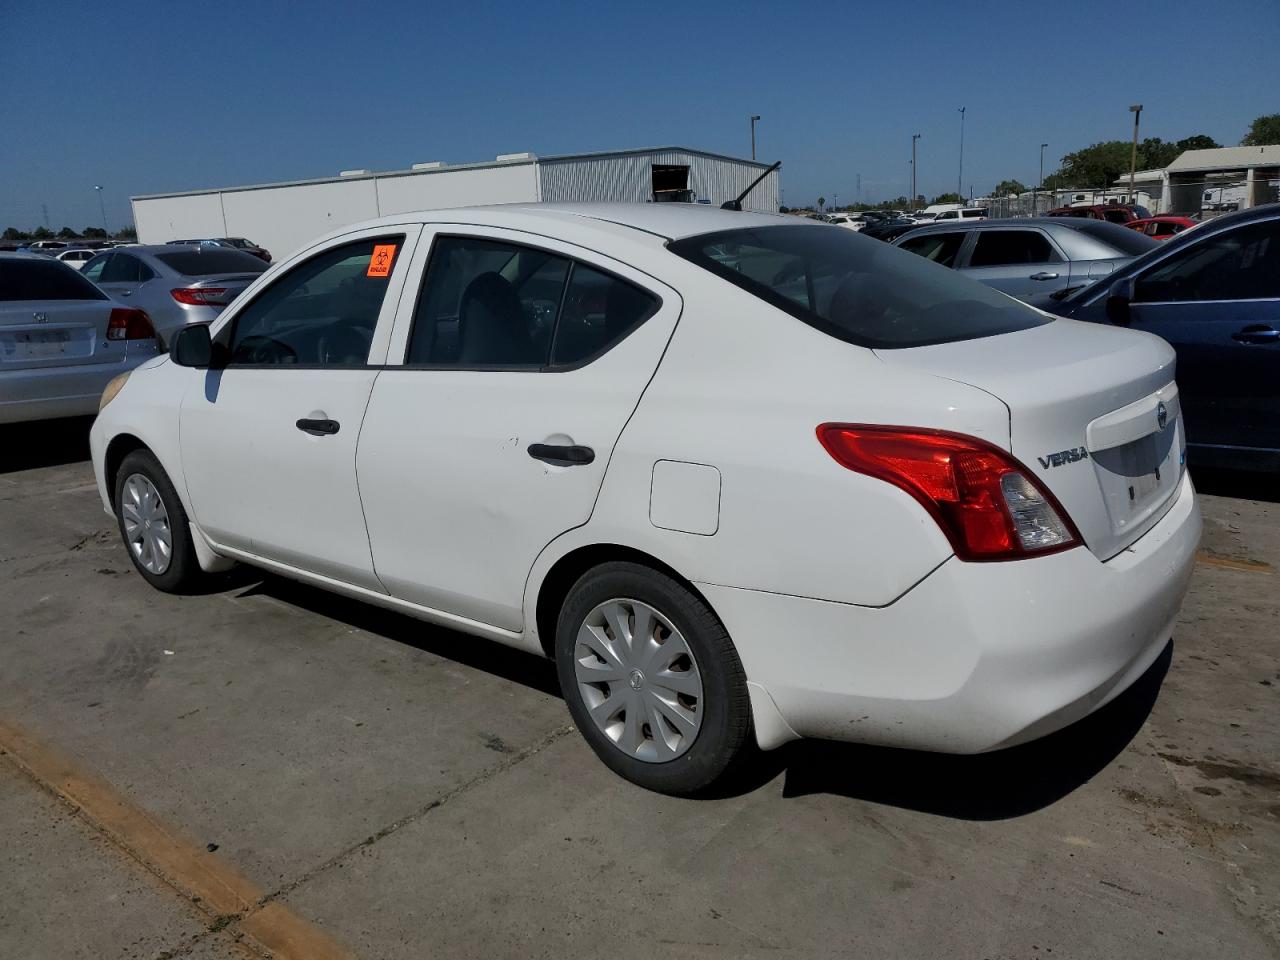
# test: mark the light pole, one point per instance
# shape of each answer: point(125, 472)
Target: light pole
point(1136, 109)
point(102, 208)
point(754, 118)
point(1039, 186)
point(914, 138)
point(960, 175)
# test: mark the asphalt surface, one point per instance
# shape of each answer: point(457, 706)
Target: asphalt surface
point(267, 769)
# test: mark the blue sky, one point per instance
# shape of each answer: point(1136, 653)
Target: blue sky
point(145, 98)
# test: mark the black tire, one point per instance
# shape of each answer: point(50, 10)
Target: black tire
point(183, 571)
point(724, 736)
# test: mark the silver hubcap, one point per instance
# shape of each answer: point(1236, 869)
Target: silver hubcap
point(146, 524)
point(639, 680)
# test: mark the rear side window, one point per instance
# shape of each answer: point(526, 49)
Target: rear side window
point(938, 247)
point(855, 288)
point(211, 261)
point(489, 303)
point(998, 248)
point(123, 268)
point(22, 279)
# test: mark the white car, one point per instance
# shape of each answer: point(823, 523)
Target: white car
point(742, 477)
point(849, 223)
point(77, 258)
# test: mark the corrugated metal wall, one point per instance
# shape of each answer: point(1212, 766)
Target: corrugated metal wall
point(627, 178)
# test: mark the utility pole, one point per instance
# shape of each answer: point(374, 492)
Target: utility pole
point(44, 208)
point(754, 118)
point(1136, 109)
point(914, 138)
point(858, 192)
point(101, 207)
point(960, 175)
point(1039, 186)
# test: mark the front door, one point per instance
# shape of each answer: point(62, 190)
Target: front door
point(526, 358)
point(269, 439)
point(1218, 303)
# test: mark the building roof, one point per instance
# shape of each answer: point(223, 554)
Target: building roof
point(1141, 176)
point(1226, 158)
point(504, 160)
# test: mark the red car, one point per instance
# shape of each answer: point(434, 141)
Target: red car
point(1114, 212)
point(1162, 228)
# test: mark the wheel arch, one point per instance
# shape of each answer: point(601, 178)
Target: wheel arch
point(121, 445)
point(566, 571)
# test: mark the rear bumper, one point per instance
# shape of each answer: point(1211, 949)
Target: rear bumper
point(49, 392)
point(976, 656)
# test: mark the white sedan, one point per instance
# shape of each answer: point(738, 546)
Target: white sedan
point(745, 478)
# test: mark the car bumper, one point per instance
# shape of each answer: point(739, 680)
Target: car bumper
point(49, 392)
point(973, 658)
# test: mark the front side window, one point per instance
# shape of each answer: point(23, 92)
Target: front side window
point(490, 303)
point(322, 312)
point(855, 288)
point(938, 247)
point(998, 248)
point(1240, 264)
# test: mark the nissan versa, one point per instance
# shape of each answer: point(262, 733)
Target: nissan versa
point(745, 478)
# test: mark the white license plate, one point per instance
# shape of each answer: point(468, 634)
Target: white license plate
point(39, 344)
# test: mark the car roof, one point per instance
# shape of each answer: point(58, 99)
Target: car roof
point(668, 221)
point(23, 255)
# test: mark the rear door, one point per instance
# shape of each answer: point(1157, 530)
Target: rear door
point(489, 432)
point(123, 274)
point(269, 439)
point(1021, 263)
point(1218, 303)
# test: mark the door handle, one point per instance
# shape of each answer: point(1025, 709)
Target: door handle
point(562, 456)
point(1044, 275)
point(1256, 333)
point(318, 428)
point(124, 293)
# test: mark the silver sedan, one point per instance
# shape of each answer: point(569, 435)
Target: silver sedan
point(175, 284)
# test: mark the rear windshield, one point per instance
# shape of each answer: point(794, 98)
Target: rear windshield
point(1083, 242)
point(33, 279)
point(855, 288)
point(209, 261)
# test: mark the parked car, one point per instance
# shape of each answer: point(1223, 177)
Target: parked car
point(1111, 212)
point(235, 243)
point(76, 258)
point(1214, 294)
point(590, 431)
point(1030, 259)
point(890, 230)
point(849, 223)
point(49, 247)
point(1162, 227)
point(61, 340)
point(174, 284)
point(963, 214)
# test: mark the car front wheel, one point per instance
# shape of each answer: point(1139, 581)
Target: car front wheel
point(153, 524)
point(651, 679)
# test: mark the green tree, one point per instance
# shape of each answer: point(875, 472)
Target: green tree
point(129, 233)
point(822, 202)
point(13, 235)
point(40, 233)
point(1263, 131)
point(1199, 142)
point(94, 232)
point(948, 198)
point(66, 233)
point(1006, 187)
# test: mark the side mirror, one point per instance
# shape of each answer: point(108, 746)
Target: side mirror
point(192, 347)
point(1118, 299)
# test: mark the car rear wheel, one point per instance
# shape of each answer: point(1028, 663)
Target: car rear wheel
point(153, 524)
point(652, 679)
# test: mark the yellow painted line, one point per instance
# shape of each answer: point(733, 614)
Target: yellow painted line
point(1233, 563)
point(224, 894)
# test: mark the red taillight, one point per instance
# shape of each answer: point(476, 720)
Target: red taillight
point(988, 504)
point(129, 323)
point(201, 296)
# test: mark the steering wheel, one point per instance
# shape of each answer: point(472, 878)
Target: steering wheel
point(263, 350)
point(342, 345)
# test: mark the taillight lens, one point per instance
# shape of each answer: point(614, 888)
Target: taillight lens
point(129, 323)
point(984, 500)
point(201, 296)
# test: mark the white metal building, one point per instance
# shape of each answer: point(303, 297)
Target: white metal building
point(284, 216)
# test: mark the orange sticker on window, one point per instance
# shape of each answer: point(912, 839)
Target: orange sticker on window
point(380, 262)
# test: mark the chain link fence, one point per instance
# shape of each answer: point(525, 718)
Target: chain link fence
point(1205, 197)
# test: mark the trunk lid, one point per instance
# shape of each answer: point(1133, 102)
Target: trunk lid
point(1093, 415)
point(53, 333)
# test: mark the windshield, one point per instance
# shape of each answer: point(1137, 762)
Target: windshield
point(210, 261)
point(855, 288)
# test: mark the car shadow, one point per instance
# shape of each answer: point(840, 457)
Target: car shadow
point(44, 443)
point(1240, 484)
point(992, 786)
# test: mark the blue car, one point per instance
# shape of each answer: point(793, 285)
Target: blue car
point(1213, 292)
